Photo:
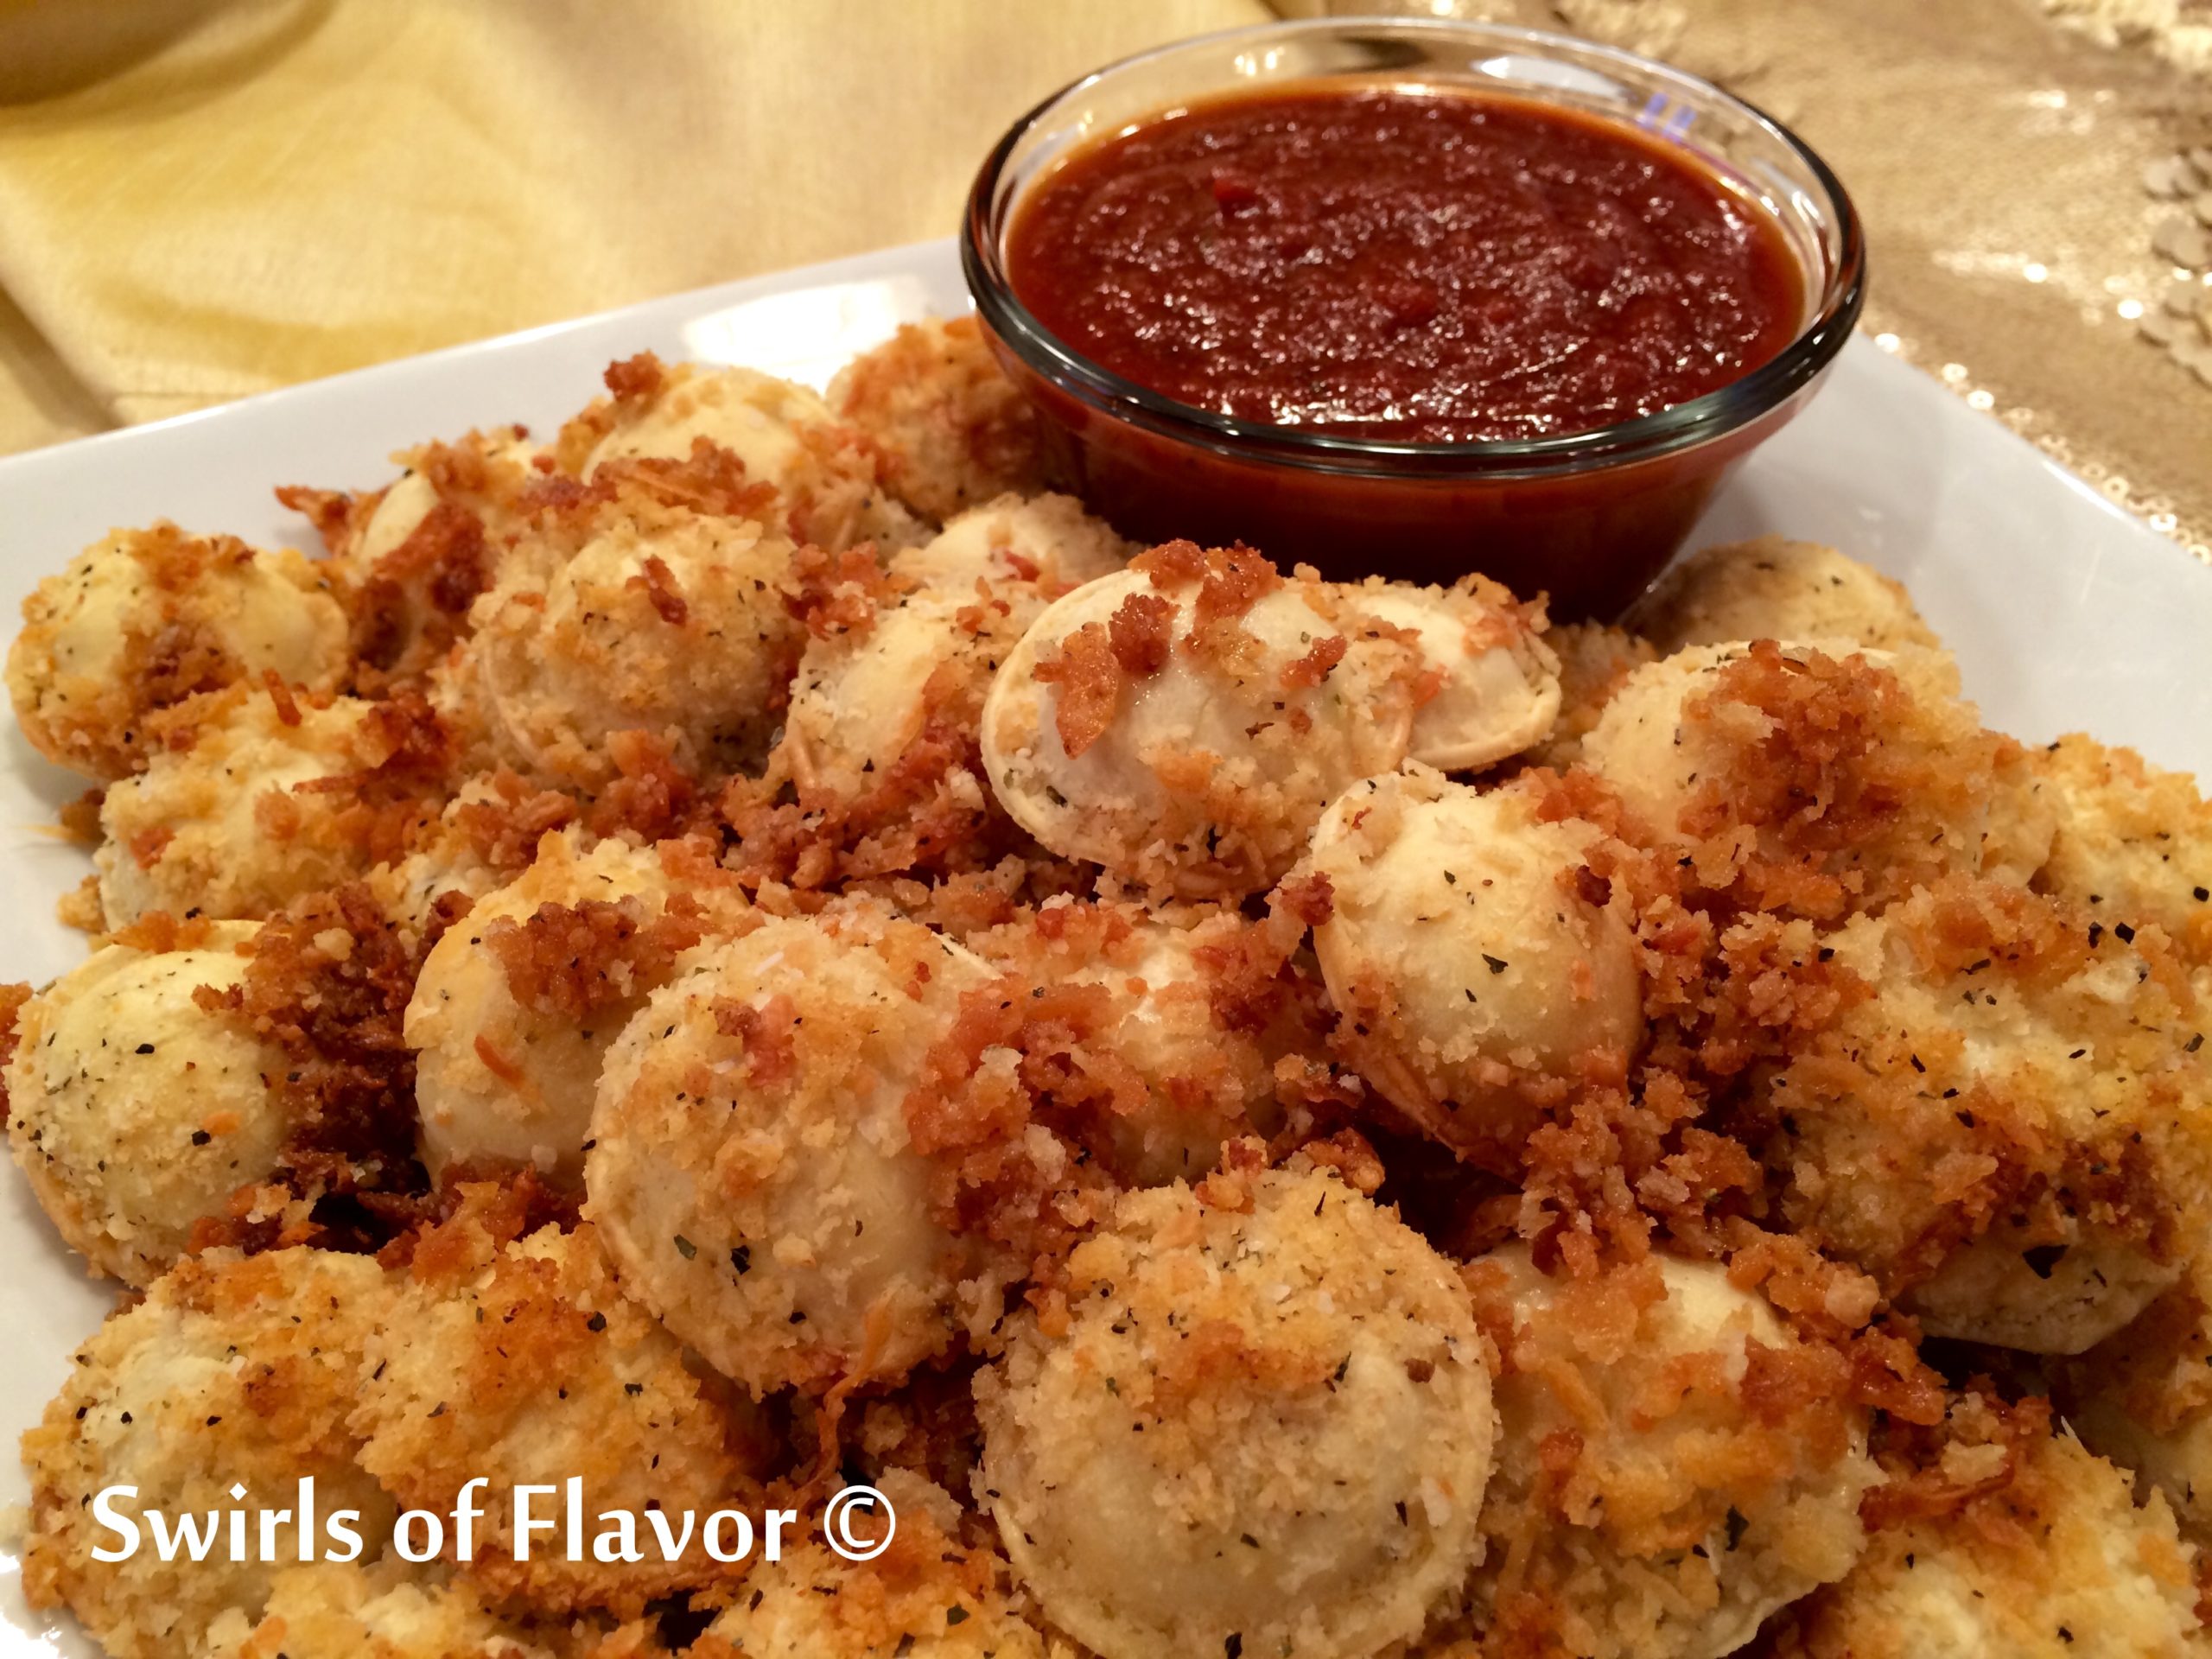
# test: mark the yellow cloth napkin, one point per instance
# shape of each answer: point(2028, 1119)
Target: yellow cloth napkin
point(200, 198)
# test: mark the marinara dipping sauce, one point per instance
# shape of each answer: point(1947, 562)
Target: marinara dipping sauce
point(1415, 267)
point(1410, 298)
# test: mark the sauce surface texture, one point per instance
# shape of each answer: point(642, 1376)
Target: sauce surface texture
point(1410, 266)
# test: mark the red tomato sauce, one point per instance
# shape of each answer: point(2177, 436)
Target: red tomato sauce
point(1410, 266)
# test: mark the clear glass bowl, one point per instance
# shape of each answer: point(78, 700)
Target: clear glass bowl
point(1589, 516)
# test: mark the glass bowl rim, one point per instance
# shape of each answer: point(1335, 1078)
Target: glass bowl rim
point(1681, 426)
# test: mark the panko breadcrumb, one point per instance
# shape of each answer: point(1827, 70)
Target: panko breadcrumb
point(824, 472)
point(412, 557)
point(952, 430)
point(147, 618)
point(1673, 1466)
point(651, 600)
point(882, 742)
point(1814, 778)
point(523, 1364)
point(1272, 1117)
point(1260, 1423)
point(264, 799)
point(928, 1596)
point(1185, 723)
point(2007, 1129)
point(340, 1610)
point(750, 1164)
point(863, 699)
point(1187, 1019)
point(231, 1372)
point(514, 1010)
point(2036, 1550)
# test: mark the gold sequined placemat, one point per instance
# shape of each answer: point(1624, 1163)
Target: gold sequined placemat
point(2024, 168)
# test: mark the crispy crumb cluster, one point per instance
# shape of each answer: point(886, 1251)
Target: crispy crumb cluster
point(752, 946)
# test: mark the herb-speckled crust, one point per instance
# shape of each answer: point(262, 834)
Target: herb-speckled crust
point(826, 475)
point(951, 430)
point(135, 1111)
point(230, 1371)
point(2132, 841)
point(146, 618)
point(527, 1365)
point(503, 1073)
point(1807, 776)
point(1185, 723)
point(344, 1611)
point(2009, 1130)
point(750, 1166)
point(1641, 1509)
point(1475, 960)
point(1261, 1422)
point(929, 1596)
point(1775, 589)
point(628, 608)
point(261, 800)
point(2042, 1552)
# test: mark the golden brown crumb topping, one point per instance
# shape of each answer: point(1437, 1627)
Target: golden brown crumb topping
point(1066, 1035)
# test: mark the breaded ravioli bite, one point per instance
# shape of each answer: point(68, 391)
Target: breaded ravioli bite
point(863, 700)
point(1812, 778)
point(1048, 540)
point(232, 1372)
point(481, 475)
point(2133, 843)
point(750, 1166)
point(824, 472)
point(415, 555)
point(1169, 1028)
point(135, 1112)
point(921, 662)
point(525, 1365)
point(1490, 688)
point(864, 697)
point(1185, 723)
point(1774, 588)
point(147, 618)
point(2008, 1127)
point(1672, 1465)
point(2143, 1398)
point(343, 1609)
point(880, 742)
point(1594, 663)
point(1473, 958)
point(515, 1008)
point(268, 797)
point(647, 601)
point(2034, 1549)
point(761, 950)
point(409, 890)
point(1261, 1423)
point(928, 1596)
point(952, 430)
